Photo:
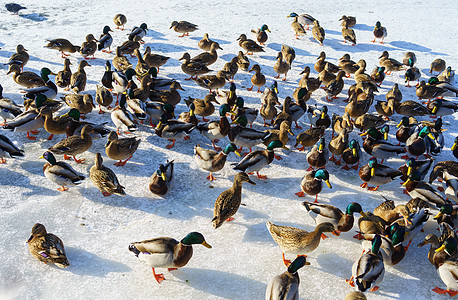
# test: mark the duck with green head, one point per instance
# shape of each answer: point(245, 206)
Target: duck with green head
point(352, 155)
point(379, 32)
point(446, 267)
point(391, 248)
point(138, 31)
point(454, 147)
point(374, 173)
point(57, 125)
point(317, 157)
point(440, 107)
point(312, 183)
point(416, 188)
point(173, 130)
point(406, 129)
point(122, 118)
point(213, 161)
point(161, 180)
point(411, 165)
point(61, 173)
point(412, 74)
point(419, 141)
point(379, 148)
point(215, 130)
point(260, 34)
point(49, 89)
point(245, 137)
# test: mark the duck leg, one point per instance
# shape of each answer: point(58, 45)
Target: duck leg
point(332, 158)
point(287, 262)
point(370, 188)
point(324, 236)
point(261, 176)
point(172, 269)
point(171, 145)
point(375, 287)
point(62, 189)
point(159, 277)
point(211, 177)
point(216, 147)
point(106, 194)
point(277, 157)
point(356, 167)
point(350, 281)
point(346, 167)
point(50, 137)
point(301, 148)
point(300, 194)
point(316, 199)
point(338, 162)
point(359, 236)
point(101, 112)
point(79, 161)
point(363, 185)
point(259, 90)
point(251, 88)
point(229, 219)
point(122, 163)
point(297, 126)
point(2, 160)
point(33, 138)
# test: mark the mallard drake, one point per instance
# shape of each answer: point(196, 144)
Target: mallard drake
point(317, 157)
point(248, 45)
point(260, 34)
point(296, 26)
point(161, 181)
point(348, 65)
point(26, 79)
point(311, 83)
point(352, 155)
point(440, 107)
point(60, 172)
point(239, 109)
point(47, 247)
point(377, 132)
point(120, 62)
point(379, 32)
point(406, 129)
point(412, 109)
point(374, 173)
point(57, 125)
point(122, 118)
point(309, 137)
point(417, 188)
point(285, 114)
point(418, 142)
point(8, 149)
point(20, 58)
point(138, 31)
point(299, 108)
point(409, 59)
point(286, 285)
point(350, 21)
point(213, 161)
point(155, 110)
point(246, 137)
point(321, 62)
point(425, 91)
point(105, 40)
point(311, 183)
point(103, 97)
point(379, 149)
point(228, 202)
point(171, 96)
point(451, 90)
point(183, 27)
point(335, 86)
point(349, 34)
point(62, 45)
point(256, 160)
point(390, 64)
point(122, 81)
point(212, 82)
point(258, 79)
point(412, 74)
point(454, 147)
point(83, 103)
point(378, 75)
point(166, 252)
point(281, 66)
point(337, 146)
point(49, 89)
point(215, 130)
point(104, 178)
point(120, 149)
point(411, 165)
point(288, 53)
point(297, 241)
point(8, 108)
point(89, 47)
point(447, 75)
point(107, 77)
point(318, 117)
point(63, 77)
point(391, 249)
point(79, 78)
point(318, 32)
point(208, 58)
point(154, 60)
point(447, 213)
point(173, 130)
point(120, 20)
point(368, 270)
point(205, 43)
point(192, 68)
point(304, 19)
point(243, 61)
point(74, 145)
point(438, 65)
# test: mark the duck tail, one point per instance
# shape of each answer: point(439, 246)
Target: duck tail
point(134, 250)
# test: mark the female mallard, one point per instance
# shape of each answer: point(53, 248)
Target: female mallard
point(412, 109)
point(299, 108)
point(311, 83)
point(8, 149)
point(166, 252)
point(79, 78)
point(368, 270)
point(378, 75)
point(89, 47)
point(248, 45)
point(142, 67)
point(215, 130)
point(74, 145)
point(120, 62)
point(260, 34)
point(171, 96)
point(317, 157)
point(390, 213)
point(243, 61)
point(57, 125)
point(192, 68)
point(189, 117)
point(138, 32)
point(105, 179)
point(418, 142)
point(128, 47)
point(417, 188)
point(285, 114)
point(385, 108)
point(205, 43)
point(362, 77)
point(103, 97)
point(337, 146)
point(246, 137)
point(62, 45)
point(231, 68)
point(296, 26)
point(321, 62)
point(63, 77)
point(438, 65)
point(120, 149)
point(297, 241)
point(323, 213)
point(335, 86)
point(120, 20)
point(20, 58)
point(256, 160)
point(258, 79)
point(173, 130)
point(447, 75)
point(212, 82)
point(309, 137)
point(318, 32)
point(281, 66)
point(60, 172)
point(424, 91)
point(379, 32)
point(161, 181)
point(279, 134)
point(83, 103)
point(183, 27)
point(340, 123)
point(47, 247)
point(105, 40)
point(374, 173)
point(154, 60)
point(203, 107)
point(378, 148)
point(288, 53)
point(26, 79)
point(268, 110)
point(348, 34)
point(449, 166)
point(351, 21)
point(319, 117)
point(351, 155)
point(122, 118)
point(326, 76)
point(213, 161)
point(228, 202)
point(207, 58)
point(390, 64)
point(286, 285)
point(49, 89)
point(311, 183)
point(348, 65)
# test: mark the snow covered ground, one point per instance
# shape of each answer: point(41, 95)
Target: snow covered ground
point(96, 230)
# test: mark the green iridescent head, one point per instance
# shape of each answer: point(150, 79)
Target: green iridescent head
point(194, 238)
point(274, 144)
point(376, 243)
point(224, 109)
point(298, 263)
point(353, 207)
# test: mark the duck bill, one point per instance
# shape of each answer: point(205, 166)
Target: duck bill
point(206, 245)
point(232, 113)
point(251, 182)
point(434, 109)
point(41, 157)
point(438, 216)
point(268, 30)
point(321, 147)
point(409, 171)
point(284, 147)
point(276, 90)
point(163, 177)
point(328, 184)
point(372, 172)
point(363, 134)
point(385, 136)
point(323, 115)
point(30, 238)
point(454, 147)
point(191, 113)
point(407, 182)
point(237, 153)
point(431, 136)
point(336, 232)
point(421, 244)
point(231, 94)
point(363, 214)
point(290, 132)
point(354, 152)
point(441, 248)
point(399, 125)
point(159, 125)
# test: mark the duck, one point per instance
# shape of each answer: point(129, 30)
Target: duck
point(107, 77)
point(205, 43)
point(83, 103)
point(243, 61)
point(438, 65)
point(317, 157)
point(351, 155)
point(309, 137)
point(192, 68)
point(447, 213)
point(379, 149)
point(246, 137)
point(379, 32)
point(104, 178)
point(20, 58)
point(412, 74)
point(122, 81)
point(47, 247)
point(288, 53)
point(173, 130)
point(213, 161)
point(74, 145)
point(154, 60)
point(369, 269)
point(349, 34)
point(391, 248)
point(281, 66)
point(128, 47)
point(8, 149)
point(49, 89)
point(451, 90)
point(409, 59)
point(26, 79)
point(406, 127)
point(212, 82)
point(256, 160)
point(203, 107)
point(269, 99)
point(57, 125)
point(138, 32)
point(454, 147)
point(348, 65)
point(208, 58)
point(142, 93)
point(310, 83)
point(161, 180)
point(319, 117)
point(285, 114)
point(248, 45)
point(286, 285)
point(355, 295)
point(89, 47)
point(412, 109)
point(189, 117)
point(14, 8)
point(385, 108)
point(335, 86)
point(304, 19)
point(155, 110)
point(120, 149)
point(183, 27)
point(166, 252)
point(321, 62)
point(8, 108)
point(361, 77)
point(411, 165)
point(389, 212)
point(299, 108)
point(377, 174)
point(424, 91)
point(79, 78)
point(378, 75)
point(215, 130)
point(318, 32)
point(417, 188)
point(297, 241)
point(171, 96)
point(351, 21)
point(122, 118)
point(280, 134)
point(446, 267)
point(418, 142)
point(120, 20)
point(390, 64)
point(442, 107)
point(296, 26)
point(260, 34)
point(103, 97)
point(258, 79)
point(326, 76)
point(337, 146)
point(63, 46)
point(61, 173)
point(311, 183)
point(228, 202)
point(63, 77)
point(447, 75)
point(142, 67)
point(120, 62)
point(449, 166)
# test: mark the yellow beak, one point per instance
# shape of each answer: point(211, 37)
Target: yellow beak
point(431, 136)
point(407, 181)
point(191, 112)
point(385, 136)
point(276, 90)
point(438, 216)
point(323, 115)
point(454, 146)
point(409, 171)
point(363, 214)
point(354, 152)
point(399, 125)
point(441, 248)
point(363, 134)
point(434, 109)
point(320, 148)
point(231, 94)
point(284, 147)
point(163, 177)
point(206, 245)
point(237, 153)
point(290, 132)
point(328, 184)
point(41, 156)
point(372, 172)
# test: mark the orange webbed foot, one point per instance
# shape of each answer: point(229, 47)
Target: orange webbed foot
point(63, 189)
point(374, 289)
point(211, 177)
point(300, 194)
point(229, 219)
point(324, 236)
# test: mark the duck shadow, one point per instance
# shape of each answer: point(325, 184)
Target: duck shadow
point(413, 47)
point(363, 27)
point(34, 17)
point(225, 284)
point(156, 34)
point(219, 41)
point(34, 58)
point(169, 47)
point(227, 57)
point(84, 263)
point(298, 51)
point(22, 180)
